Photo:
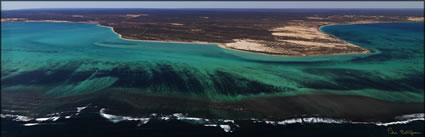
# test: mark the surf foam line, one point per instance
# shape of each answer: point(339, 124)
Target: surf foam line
point(313, 120)
point(33, 121)
point(226, 125)
point(30, 121)
point(231, 125)
point(116, 118)
point(22, 118)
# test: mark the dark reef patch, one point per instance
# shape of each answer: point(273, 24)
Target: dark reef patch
point(159, 78)
point(350, 79)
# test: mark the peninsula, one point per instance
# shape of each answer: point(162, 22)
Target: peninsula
point(282, 32)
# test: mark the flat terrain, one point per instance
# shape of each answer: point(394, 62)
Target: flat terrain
point(285, 32)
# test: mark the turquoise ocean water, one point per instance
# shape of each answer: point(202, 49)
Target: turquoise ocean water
point(65, 62)
point(69, 59)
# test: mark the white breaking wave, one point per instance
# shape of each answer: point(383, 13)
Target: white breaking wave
point(228, 125)
point(311, 120)
point(16, 117)
point(225, 124)
point(116, 119)
point(49, 117)
point(54, 118)
point(226, 128)
point(175, 116)
point(410, 116)
point(302, 120)
point(31, 124)
point(26, 118)
point(79, 109)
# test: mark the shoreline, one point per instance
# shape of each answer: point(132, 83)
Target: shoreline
point(223, 45)
point(120, 36)
point(333, 36)
point(220, 45)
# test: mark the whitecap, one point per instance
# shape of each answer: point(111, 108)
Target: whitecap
point(406, 119)
point(410, 116)
point(79, 109)
point(116, 119)
point(228, 124)
point(228, 121)
point(16, 117)
point(54, 118)
point(211, 125)
point(31, 124)
point(226, 128)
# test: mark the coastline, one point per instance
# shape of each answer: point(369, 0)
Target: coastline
point(331, 35)
point(223, 45)
point(121, 37)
